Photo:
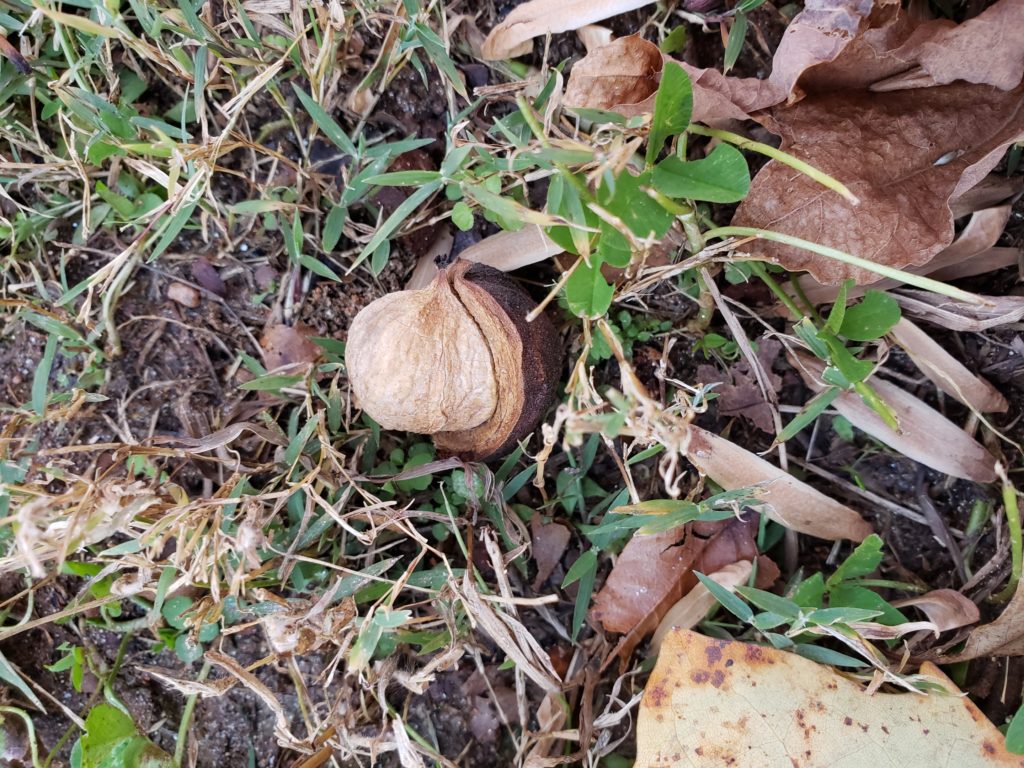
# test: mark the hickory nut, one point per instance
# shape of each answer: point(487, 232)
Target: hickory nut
point(456, 360)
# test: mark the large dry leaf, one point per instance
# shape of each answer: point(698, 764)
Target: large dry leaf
point(904, 153)
point(713, 703)
point(539, 17)
point(948, 373)
point(787, 501)
point(924, 435)
point(988, 49)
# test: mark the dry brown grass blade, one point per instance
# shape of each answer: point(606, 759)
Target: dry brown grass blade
point(948, 373)
point(925, 435)
point(993, 190)
point(958, 316)
point(787, 500)
point(980, 263)
point(540, 17)
point(505, 251)
point(511, 636)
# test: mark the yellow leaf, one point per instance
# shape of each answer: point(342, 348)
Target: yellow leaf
point(713, 703)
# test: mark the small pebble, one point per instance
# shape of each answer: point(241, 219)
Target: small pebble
point(183, 294)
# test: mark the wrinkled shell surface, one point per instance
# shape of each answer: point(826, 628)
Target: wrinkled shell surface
point(423, 348)
point(456, 360)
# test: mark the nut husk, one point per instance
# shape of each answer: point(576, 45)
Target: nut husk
point(456, 360)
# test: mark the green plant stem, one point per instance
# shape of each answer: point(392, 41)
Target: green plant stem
point(773, 284)
point(29, 727)
point(186, 717)
point(1016, 541)
point(685, 214)
point(801, 294)
point(776, 154)
point(918, 281)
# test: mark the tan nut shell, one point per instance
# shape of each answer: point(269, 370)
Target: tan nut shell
point(418, 363)
point(456, 360)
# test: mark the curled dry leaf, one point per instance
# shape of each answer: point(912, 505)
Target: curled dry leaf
point(696, 603)
point(945, 608)
point(1002, 637)
point(992, 312)
point(288, 346)
point(924, 435)
point(654, 571)
point(539, 17)
point(620, 77)
point(987, 49)
point(949, 374)
point(593, 36)
point(623, 76)
point(787, 501)
point(713, 703)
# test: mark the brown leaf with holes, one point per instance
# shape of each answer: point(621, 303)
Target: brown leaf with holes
point(289, 347)
point(739, 394)
point(712, 702)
